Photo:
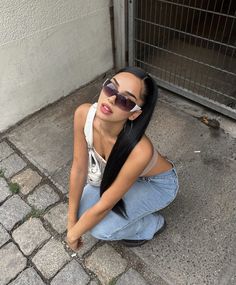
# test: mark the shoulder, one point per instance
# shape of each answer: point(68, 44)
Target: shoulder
point(143, 150)
point(136, 162)
point(81, 112)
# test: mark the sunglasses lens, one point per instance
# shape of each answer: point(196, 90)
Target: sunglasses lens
point(110, 90)
point(124, 103)
point(121, 101)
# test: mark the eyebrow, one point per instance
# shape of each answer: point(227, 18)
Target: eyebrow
point(130, 94)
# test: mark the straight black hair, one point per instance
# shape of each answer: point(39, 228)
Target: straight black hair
point(130, 135)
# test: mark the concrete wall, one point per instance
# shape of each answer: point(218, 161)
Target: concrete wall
point(47, 50)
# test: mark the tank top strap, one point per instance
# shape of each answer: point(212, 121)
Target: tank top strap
point(88, 127)
point(151, 163)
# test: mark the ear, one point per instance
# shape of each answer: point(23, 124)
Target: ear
point(135, 115)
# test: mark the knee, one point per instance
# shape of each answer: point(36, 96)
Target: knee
point(103, 231)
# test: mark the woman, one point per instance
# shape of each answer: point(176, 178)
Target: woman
point(128, 181)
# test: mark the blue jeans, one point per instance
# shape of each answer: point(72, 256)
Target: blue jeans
point(144, 199)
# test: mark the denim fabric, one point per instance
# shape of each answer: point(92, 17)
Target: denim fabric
point(144, 199)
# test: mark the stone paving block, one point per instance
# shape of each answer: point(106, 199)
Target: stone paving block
point(28, 277)
point(61, 177)
point(43, 197)
point(50, 258)
point(4, 189)
point(72, 273)
point(106, 263)
point(28, 180)
point(4, 236)
point(12, 262)
point(30, 235)
point(88, 242)
point(12, 211)
point(12, 164)
point(5, 150)
point(57, 217)
point(131, 277)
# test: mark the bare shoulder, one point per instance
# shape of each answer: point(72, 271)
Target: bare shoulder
point(143, 150)
point(80, 144)
point(81, 113)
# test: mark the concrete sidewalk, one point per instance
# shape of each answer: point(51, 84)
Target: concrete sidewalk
point(198, 246)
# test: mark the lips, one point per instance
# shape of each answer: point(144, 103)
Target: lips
point(106, 109)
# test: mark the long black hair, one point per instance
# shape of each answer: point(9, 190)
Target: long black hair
point(130, 134)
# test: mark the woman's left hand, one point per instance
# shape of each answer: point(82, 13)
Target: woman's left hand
point(74, 244)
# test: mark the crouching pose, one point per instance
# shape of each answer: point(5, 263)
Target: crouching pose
point(118, 180)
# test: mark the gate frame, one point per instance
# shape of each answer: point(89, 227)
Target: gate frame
point(216, 106)
point(120, 27)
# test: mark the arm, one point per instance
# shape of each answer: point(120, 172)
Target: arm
point(136, 162)
point(79, 167)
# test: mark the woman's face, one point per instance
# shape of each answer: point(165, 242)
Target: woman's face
point(128, 85)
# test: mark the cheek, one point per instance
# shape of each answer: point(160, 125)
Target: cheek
point(120, 114)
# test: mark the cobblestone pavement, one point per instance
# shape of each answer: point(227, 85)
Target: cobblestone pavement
point(32, 234)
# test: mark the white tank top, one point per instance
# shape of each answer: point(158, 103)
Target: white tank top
point(88, 131)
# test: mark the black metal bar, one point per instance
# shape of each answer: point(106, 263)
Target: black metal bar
point(194, 82)
point(188, 58)
point(189, 34)
point(196, 8)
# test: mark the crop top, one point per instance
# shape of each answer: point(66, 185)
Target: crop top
point(88, 131)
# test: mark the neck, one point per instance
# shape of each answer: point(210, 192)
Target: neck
point(111, 129)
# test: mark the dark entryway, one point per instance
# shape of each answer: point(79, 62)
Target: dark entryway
point(189, 46)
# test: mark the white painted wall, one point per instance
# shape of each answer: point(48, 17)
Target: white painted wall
point(47, 50)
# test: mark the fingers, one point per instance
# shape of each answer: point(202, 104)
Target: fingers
point(76, 244)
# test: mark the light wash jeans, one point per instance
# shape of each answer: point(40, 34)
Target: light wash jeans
point(144, 199)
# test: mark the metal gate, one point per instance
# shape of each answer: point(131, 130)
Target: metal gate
point(189, 47)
